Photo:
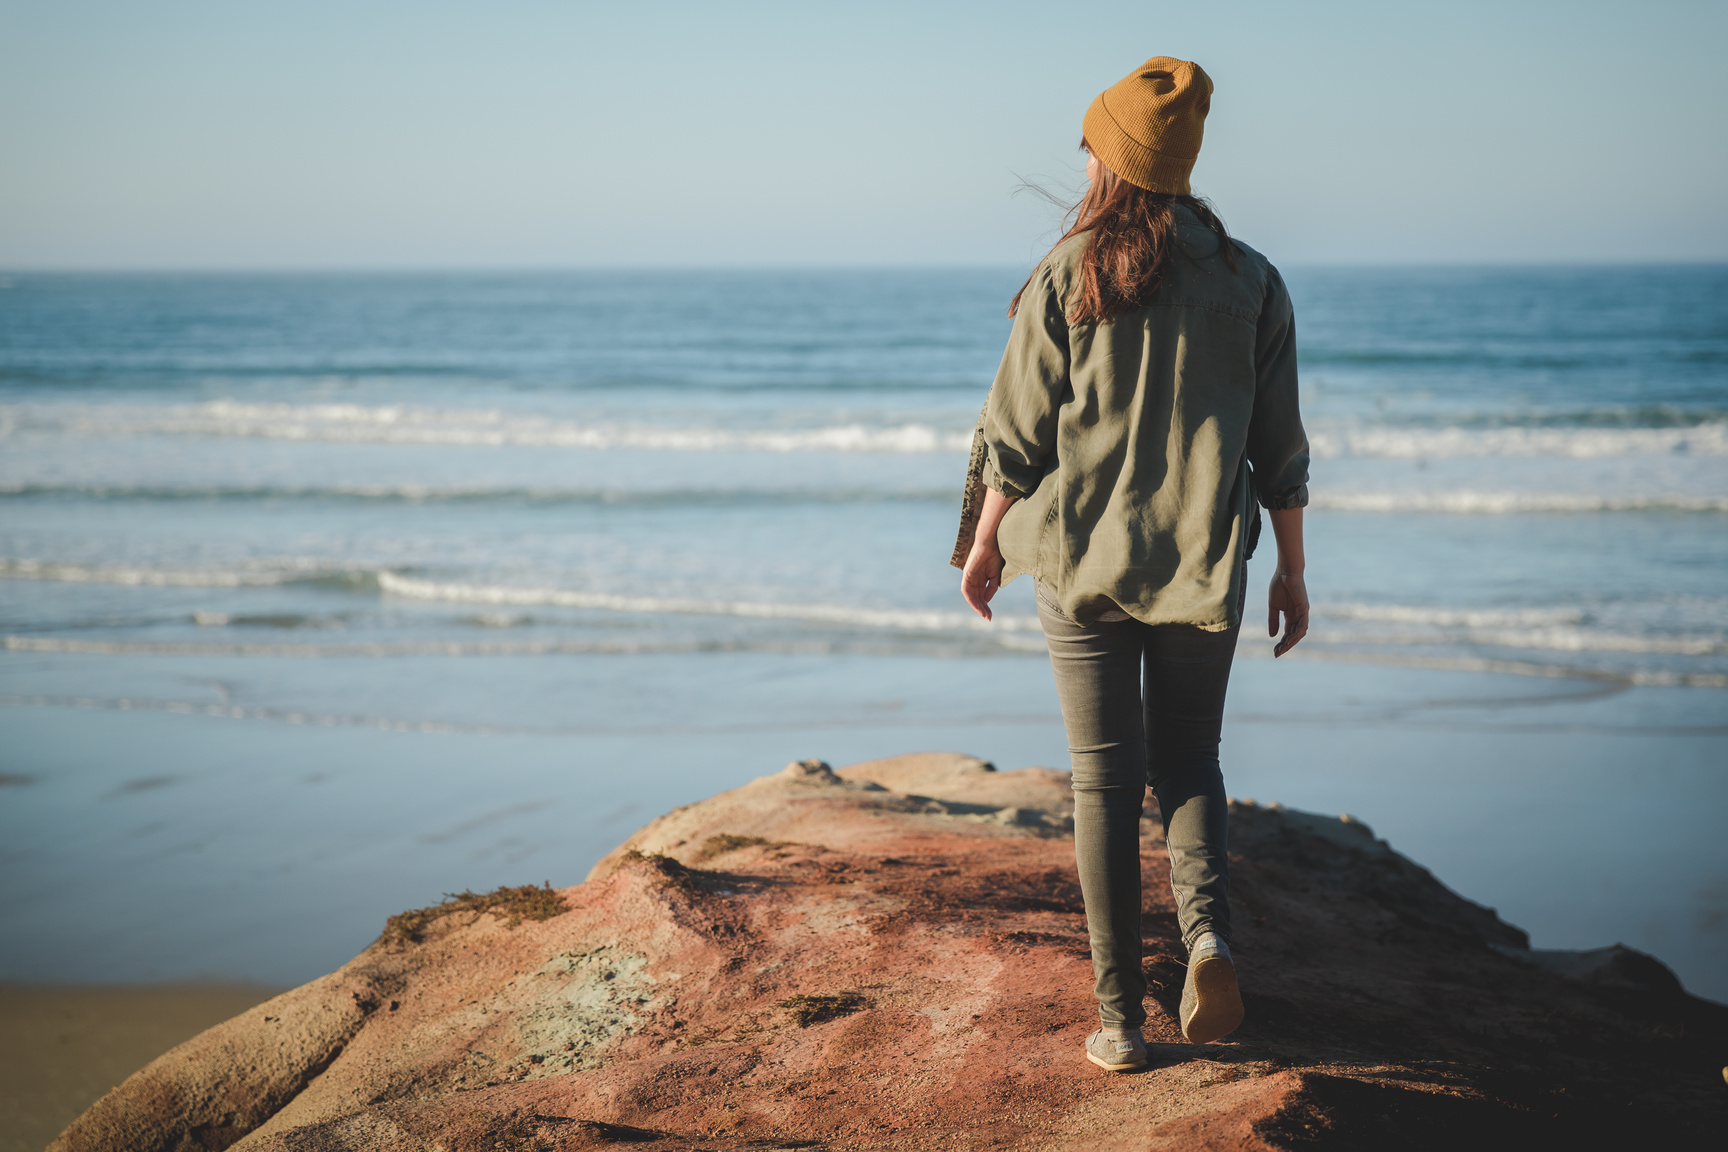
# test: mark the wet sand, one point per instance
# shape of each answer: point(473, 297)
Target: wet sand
point(62, 1047)
point(1589, 813)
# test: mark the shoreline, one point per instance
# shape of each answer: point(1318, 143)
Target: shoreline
point(269, 853)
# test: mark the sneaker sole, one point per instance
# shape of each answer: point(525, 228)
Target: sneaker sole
point(1112, 1067)
point(1217, 1002)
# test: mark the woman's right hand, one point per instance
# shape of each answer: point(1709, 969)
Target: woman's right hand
point(982, 575)
point(1289, 595)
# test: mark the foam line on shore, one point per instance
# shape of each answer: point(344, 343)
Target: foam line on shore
point(1642, 678)
point(1452, 617)
point(1500, 503)
point(475, 493)
point(441, 727)
point(1251, 648)
point(259, 576)
point(1530, 628)
point(972, 645)
point(903, 619)
point(406, 424)
point(395, 424)
point(1582, 630)
point(1490, 502)
point(1539, 639)
point(1450, 443)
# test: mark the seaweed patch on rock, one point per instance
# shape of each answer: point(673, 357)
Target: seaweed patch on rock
point(512, 904)
point(819, 1009)
point(722, 843)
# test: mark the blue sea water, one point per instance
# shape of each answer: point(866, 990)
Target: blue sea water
point(322, 595)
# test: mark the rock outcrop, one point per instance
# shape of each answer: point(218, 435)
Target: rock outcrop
point(894, 956)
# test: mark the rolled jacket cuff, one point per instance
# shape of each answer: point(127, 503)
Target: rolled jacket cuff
point(1285, 499)
point(997, 482)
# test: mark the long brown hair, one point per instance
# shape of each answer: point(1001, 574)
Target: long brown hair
point(1133, 232)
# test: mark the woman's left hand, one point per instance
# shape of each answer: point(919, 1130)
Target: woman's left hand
point(1287, 596)
point(982, 575)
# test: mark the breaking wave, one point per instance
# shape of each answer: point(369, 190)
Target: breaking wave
point(355, 423)
point(1556, 629)
point(474, 493)
point(1555, 639)
point(1452, 617)
point(247, 577)
point(404, 424)
point(901, 619)
point(1503, 503)
point(1640, 677)
point(1405, 443)
point(1459, 502)
point(1664, 641)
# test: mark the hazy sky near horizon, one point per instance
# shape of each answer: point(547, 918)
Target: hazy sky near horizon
point(384, 134)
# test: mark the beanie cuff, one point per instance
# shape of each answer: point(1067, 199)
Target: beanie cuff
point(1139, 165)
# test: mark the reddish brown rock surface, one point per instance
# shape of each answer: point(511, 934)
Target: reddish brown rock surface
point(895, 956)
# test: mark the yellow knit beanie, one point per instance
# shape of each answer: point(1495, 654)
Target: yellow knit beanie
point(1146, 128)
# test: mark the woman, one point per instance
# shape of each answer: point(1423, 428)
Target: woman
point(1146, 401)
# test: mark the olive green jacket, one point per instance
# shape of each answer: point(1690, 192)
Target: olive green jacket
point(1135, 446)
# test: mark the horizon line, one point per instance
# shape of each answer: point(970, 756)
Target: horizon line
point(838, 266)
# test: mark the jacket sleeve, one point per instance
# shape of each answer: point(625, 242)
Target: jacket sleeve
point(1019, 422)
point(1277, 445)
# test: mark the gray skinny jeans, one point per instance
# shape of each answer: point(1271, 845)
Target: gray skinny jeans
point(1122, 739)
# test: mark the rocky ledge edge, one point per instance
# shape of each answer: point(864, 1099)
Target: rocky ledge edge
point(894, 956)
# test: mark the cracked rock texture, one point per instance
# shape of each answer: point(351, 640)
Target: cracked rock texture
point(895, 956)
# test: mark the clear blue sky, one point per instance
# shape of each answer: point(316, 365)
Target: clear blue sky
point(516, 133)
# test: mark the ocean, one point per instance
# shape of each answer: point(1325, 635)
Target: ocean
point(323, 595)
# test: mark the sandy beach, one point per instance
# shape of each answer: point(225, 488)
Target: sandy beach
point(63, 1046)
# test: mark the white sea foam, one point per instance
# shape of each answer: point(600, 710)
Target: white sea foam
point(262, 576)
point(462, 493)
point(504, 596)
point(900, 619)
point(1384, 441)
point(1461, 502)
point(1589, 635)
point(1560, 628)
point(398, 724)
point(282, 715)
point(495, 595)
point(1657, 677)
point(1556, 639)
point(404, 424)
point(460, 648)
point(1502, 502)
point(1652, 677)
point(86, 647)
point(1451, 617)
point(1614, 629)
point(354, 423)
